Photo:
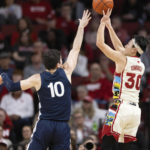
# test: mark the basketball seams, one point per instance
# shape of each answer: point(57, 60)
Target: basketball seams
point(102, 5)
point(107, 3)
point(98, 4)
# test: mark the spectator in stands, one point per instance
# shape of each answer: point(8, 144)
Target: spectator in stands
point(98, 86)
point(24, 24)
point(26, 134)
point(54, 39)
point(65, 22)
point(90, 35)
point(2, 139)
point(78, 126)
point(6, 123)
point(23, 50)
point(93, 116)
point(51, 28)
point(39, 47)
point(10, 13)
point(133, 10)
point(5, 66)
point(120, 31)
point(37, 10)
point(108, 67)
point(35, 67)
point(73, 140)
point(77, 9)
point(82, 66)
point(82, 92)
point(19, 106)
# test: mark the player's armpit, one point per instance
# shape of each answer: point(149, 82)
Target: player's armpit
point(31, 82)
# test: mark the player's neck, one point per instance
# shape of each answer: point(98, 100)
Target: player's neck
point(51, 70)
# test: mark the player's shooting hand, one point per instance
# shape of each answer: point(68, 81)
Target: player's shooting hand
point(106, 18)
point(85, 19)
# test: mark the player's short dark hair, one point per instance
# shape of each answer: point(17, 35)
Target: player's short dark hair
point(51, 58)
point(142, 42)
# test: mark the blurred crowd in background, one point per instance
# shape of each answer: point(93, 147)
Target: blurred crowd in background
point(30, 27)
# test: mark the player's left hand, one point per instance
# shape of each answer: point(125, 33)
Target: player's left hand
point(85, 19)
point(106, 17)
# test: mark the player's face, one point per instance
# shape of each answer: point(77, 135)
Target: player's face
point(129, 47)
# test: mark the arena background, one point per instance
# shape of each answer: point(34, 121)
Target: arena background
point(30, 27)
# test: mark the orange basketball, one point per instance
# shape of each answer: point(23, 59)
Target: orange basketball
point(100, 5)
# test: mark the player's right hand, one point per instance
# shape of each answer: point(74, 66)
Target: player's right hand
point(106, 18)
point(85, 19)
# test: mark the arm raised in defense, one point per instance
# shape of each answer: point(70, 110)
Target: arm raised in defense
point(71, 62)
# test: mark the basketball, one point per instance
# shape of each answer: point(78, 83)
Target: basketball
point(100, 5)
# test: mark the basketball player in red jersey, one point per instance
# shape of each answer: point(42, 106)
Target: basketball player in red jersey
point(124, 114)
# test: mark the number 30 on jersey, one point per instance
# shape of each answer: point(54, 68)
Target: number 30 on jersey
point(54, 89)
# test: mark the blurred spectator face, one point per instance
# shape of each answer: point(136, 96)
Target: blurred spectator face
point(9, 2)
point(1, 132)
point(116, 22)
point(26, 132)
point(22, 24)
point(51, 24)
point(81, 92)
point(36, 60)
point(87, 105)
point(51, 36)
point(95, 71)
point(142, 32)
point(65, 11)
point(38, 47)
point(79, 119)
point(24, 38)
point(2, 117)
point(4, 63)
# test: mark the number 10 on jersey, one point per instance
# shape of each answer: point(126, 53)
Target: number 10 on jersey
point(54, 89)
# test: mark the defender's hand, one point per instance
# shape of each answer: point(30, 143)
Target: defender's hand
point(85, 19)
point(106, 18)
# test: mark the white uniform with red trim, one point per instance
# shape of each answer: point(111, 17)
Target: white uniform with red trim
point(131, 79)
point(124, 115)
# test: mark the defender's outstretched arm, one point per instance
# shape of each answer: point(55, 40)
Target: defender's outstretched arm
point(32, 82)
point(73, 55)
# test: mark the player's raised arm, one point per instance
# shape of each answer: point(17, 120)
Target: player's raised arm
point(115, 56)
point(114, 38)
point(73, 55)
point(32, 82)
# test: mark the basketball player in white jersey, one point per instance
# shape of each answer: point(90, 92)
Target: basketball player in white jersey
point(124, 114)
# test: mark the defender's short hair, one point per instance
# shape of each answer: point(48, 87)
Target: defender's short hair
point(51, 58)
point(141, 41)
